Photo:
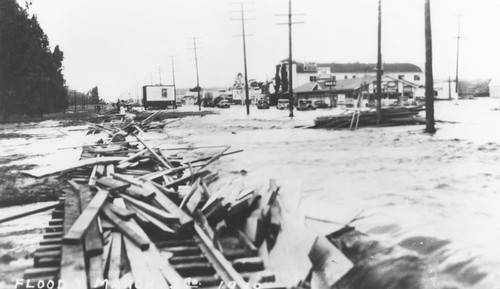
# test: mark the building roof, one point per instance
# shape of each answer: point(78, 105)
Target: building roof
point(357, 67)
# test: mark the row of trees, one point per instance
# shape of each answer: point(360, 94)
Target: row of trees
point(31, 79)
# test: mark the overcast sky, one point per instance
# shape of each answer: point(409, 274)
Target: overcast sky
point(120, 45)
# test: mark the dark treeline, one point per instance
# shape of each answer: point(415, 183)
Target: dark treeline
point(31, 79)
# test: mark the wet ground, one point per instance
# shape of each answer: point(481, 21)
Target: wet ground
point(428, 203)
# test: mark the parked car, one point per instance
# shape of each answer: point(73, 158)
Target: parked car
point(282, 104)
point(320, 104)
point(262, 104)
point(223, 104)
point(305, 105)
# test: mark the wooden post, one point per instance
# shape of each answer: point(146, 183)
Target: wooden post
point(429, 81)
point(379, 63)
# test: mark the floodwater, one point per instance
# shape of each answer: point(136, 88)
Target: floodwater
point(428, 204)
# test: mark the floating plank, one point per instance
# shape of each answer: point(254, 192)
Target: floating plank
point(329, 264)
point(149, 209)
point(53, 169)
point(82, 224)
point(125, 228)
point(73, 272)
point(112, 184)
point(29, 212)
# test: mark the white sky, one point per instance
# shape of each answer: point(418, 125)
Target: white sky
point(119, 45)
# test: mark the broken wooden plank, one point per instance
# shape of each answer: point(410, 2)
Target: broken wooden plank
point(114, 259)
point(73, 272)
point(82, 224)
point(126, 229)
point(185, 220)
point(111, 184)
point(29, 212)
point(140, 192)
point(127, 179)
point(153, 152)
point(154, 221)
point(58, 168)
point(155, 212)
point(122, 213)
point(110, 169)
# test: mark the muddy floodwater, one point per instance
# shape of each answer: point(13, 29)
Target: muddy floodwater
point(428, 204)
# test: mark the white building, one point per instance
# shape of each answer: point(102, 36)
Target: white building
point(312, 71)
point(495, 87)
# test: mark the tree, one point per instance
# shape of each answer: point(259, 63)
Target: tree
point(277, 79)
point(284, 78)
point(429, 80)
point(94, 95)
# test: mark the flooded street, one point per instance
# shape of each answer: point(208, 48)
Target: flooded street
point(428, 204)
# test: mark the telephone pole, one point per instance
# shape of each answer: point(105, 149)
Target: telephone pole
point(247, 97)
point(159, 73)
point(457, 85)
point(173, 81)
point(379, 63)
point(290, 61)
point(197, 75)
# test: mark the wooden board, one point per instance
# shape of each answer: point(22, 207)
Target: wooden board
point(111, 184)
point(141, 242)
point(93, 240)
point(29, 212)
point(122, 213)
point(114, 258)
point(149, 209)
point(73, 273)
point(53, 169)
point(184, 219)
point(139, 192)
point(82, 224)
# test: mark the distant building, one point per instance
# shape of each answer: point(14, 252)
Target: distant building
point(495, 88)
point(306, 72)
point(345, 92)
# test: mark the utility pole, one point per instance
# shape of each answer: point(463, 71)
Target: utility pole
point(290, 60)
point(197, 75)
point(457, 85)
point(247, 97)
point(173, 81)
point(429, 80)
point(159, 73)
point(379, 64)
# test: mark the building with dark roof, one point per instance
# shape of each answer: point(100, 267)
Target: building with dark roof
point(304, 72)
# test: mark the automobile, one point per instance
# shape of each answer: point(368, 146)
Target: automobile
point(178, 103)
point(282, 104)
point(320, 104)
point(262, 104)
point(305, 105)
point(223, 104)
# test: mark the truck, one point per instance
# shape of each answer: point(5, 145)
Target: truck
point(158, 96)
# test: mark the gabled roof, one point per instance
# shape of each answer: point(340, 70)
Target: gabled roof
point(308, 87)
point(357, 67)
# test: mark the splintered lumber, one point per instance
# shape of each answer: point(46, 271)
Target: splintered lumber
point(93, 241)
point(114, 259)
point(185, 220)
point(153, 152)
point(122, 213)
point(29, 212)
point(53, 169)
point(223, 268)
point(125, 228)
point(145, 265)
point(127, 179)
point(139, 192)
point(152, 220)
point(329, 264)
point(73, 272)
point(81, 225)
point(149, 209)
point(111, 184)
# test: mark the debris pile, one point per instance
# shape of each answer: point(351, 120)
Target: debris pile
point(135, 215)
point(391, 116)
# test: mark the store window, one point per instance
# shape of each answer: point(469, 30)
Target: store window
point(312, 78)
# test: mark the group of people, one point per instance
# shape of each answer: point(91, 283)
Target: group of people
point(122, 107)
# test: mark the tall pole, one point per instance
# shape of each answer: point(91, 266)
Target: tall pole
point(197, 77)
point(379, 64)
point(429, 80)
point(457, 86)
point(159, 73)
point(247, 98)
point(290, 70)
point(173, 81)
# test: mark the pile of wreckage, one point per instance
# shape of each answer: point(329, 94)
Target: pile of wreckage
point(135, 216)
point(354, 118)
